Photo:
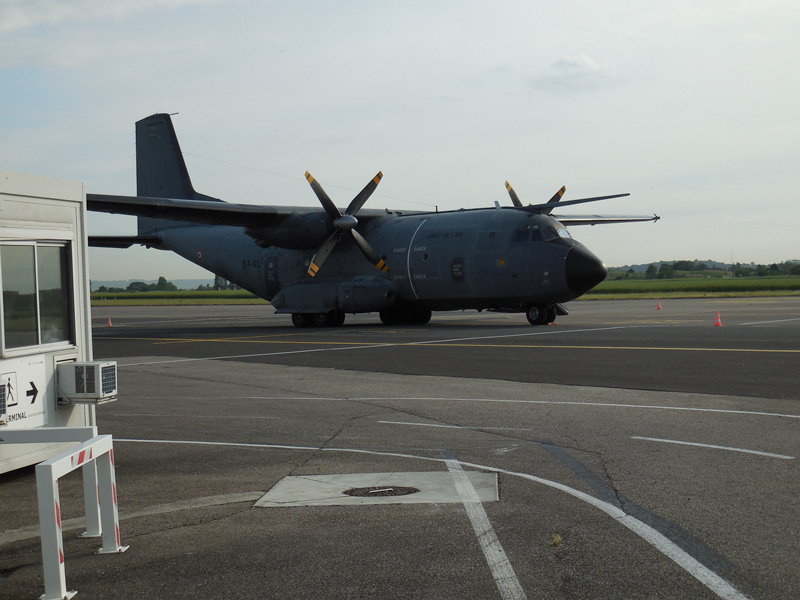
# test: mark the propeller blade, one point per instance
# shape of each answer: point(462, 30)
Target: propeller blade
point(369, 252)
point(364, 195)
point(323, 253)
point(513, 194)
point(343, 223)
point(324, 199)
point(556, 197)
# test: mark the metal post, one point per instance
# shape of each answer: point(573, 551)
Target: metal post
point(91, 500)
point(55, 581)
point(109, 514)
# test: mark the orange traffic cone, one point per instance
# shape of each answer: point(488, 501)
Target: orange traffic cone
point(659, 305)
point(109, 322)
point(718, 323)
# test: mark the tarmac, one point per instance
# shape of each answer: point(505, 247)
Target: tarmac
point(627, 452)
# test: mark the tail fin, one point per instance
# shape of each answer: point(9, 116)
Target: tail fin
point(160, 169)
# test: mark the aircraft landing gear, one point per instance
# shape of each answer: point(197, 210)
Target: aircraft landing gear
point(405, 317)
point(332, 318)
point(301, 319)
point(538, 314)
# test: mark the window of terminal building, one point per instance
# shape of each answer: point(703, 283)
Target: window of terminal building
point(37, 295)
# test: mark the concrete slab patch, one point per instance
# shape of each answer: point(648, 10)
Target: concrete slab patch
point(329, 490)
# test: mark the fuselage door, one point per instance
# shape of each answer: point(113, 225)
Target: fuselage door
point(271, 274)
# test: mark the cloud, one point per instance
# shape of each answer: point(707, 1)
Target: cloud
point(18, 15)
point(579, 74)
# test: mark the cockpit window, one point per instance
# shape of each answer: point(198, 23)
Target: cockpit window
point(527, 233)
point(556, 232)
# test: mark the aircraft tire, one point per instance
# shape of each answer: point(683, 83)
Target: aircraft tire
point(320, 319)
point(405, 317)
point(551, 314)
point(390, 317)
point(420, 317)
point(536, 314)
point(301, 319)
point(332, 318)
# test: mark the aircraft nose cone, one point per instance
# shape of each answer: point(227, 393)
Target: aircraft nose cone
point(584, 270)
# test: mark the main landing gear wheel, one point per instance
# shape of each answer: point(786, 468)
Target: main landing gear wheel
point(538, 314)
point(301, 319)
point(332, 318)
point(421, 317)
point(405, 317)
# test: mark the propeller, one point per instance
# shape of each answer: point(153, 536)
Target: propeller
point(546, 210)
point(344, 224)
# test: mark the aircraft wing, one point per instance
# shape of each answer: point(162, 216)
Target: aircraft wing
point(194, 211)
point(601, 219)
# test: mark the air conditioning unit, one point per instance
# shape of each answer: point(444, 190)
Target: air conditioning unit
point(87, 382)
point(2, 403)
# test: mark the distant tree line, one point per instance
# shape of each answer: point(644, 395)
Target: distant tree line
point(668, 270)
point(682, 268)
point(162, 285)
point(790, 267)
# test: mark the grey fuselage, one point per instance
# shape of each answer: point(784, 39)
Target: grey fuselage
point(497, 258)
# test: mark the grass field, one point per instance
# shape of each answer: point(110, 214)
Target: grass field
point(696, 288)
point(609, 289)
point(175, 298)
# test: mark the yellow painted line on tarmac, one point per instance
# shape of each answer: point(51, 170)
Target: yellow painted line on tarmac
point(570, 347)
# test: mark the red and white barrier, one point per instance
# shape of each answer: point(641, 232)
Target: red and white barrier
point(96, 457)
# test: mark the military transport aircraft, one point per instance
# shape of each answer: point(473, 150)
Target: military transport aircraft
point(318, 265)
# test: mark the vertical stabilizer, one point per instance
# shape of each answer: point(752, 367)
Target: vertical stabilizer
point(160, 169)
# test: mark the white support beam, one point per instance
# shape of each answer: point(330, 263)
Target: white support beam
point(97, 454)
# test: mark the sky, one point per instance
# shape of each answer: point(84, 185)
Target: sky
point(693, 107)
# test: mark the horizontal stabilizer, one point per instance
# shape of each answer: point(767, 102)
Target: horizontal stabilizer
point(194, 211)
point(106, 241)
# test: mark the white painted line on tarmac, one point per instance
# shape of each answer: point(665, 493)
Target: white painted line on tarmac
point(768, 322)
point(504, 576)
point(575, 403)
point(659, 541)
point(366, 346)
point(455, 426)
point(498, 400)
point(215, 417)
point(758, 452)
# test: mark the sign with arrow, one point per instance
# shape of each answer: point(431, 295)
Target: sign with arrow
point(24, 379)
point(32, 393)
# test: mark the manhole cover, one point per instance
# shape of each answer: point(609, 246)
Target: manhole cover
point(386, 490)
